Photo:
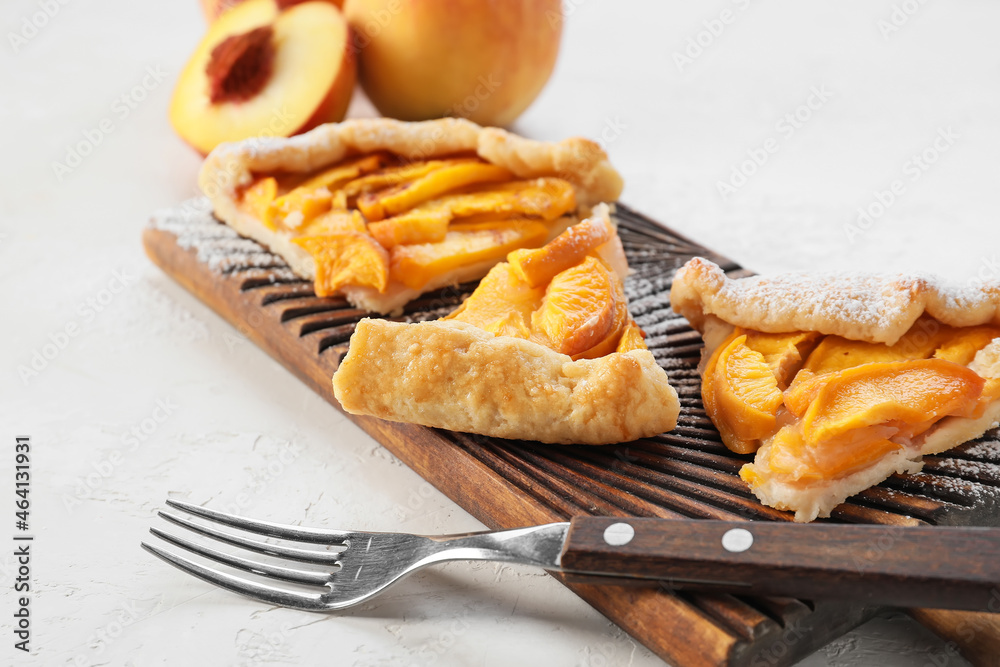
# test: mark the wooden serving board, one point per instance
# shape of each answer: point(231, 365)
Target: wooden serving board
point(506, 483)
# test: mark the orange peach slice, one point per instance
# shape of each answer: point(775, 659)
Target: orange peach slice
point(395, 200)
point(612, 254)
point(783, 352)
point(541, 265)
point(799, 462)
point(258, 199)
point(546, 198)
point(743, 397)
point(803, 391)
point(502, 303)
point(578, 310)
point(512, 324)
point(836, 354)
point(334, 221)
point(428, 223)
point(912, 392)
point(962, 348)
point(612, 341)
point(468, 245)
point(346, 258)
point(313, 197)
point(339, 174)
point(298, 207)
point(633, 338)
point(427, 227)
point(397, 175)
point(260, 72)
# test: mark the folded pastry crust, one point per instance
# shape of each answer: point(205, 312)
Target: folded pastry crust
point(232, 166)
point(452, 375)
point(871, 308)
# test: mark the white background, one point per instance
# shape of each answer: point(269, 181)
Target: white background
point(241, 427)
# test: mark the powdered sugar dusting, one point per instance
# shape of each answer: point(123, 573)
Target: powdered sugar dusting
point(988, 450)
point(874, 307)
point(218, 246)
point(869, 300)
point(979, 471)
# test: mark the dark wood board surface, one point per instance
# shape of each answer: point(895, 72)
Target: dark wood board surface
point(503, 483)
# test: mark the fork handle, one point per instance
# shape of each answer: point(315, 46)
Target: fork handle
point(939, 567)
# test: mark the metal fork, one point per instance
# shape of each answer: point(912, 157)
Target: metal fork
point(366, 564)
point(921, 566)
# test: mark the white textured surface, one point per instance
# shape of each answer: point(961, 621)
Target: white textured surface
point(243, 433)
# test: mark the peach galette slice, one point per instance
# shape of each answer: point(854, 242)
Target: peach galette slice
point(381, 211)
point(838, 381)
point(544, 349)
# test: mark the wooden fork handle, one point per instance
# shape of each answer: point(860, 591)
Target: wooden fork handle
point(938, 567)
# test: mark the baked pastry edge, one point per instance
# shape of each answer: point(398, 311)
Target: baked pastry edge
point(453, 375)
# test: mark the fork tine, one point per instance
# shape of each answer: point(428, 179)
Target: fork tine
point(302, 555)
point(271, 594)
point(313, 535)
point(275, 572)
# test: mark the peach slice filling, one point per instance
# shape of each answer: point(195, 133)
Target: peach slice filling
point(741, 394)
point(580, 311)
point(828, 407)
point(375, 220)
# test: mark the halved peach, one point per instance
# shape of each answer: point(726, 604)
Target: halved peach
point(346, 258)
point(260, 71)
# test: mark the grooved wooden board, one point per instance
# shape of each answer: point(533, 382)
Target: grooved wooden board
point(504, 483)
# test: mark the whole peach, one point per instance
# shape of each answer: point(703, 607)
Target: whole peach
point(485, 60)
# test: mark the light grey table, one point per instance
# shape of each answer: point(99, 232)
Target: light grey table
point(763, 141)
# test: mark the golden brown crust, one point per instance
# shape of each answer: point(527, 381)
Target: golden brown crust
point(874, 308)
point(580, 161)
point(453, 375)
point(232, 166)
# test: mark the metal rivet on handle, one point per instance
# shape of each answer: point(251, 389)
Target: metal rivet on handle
point(618, 534)
point(737, 540)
